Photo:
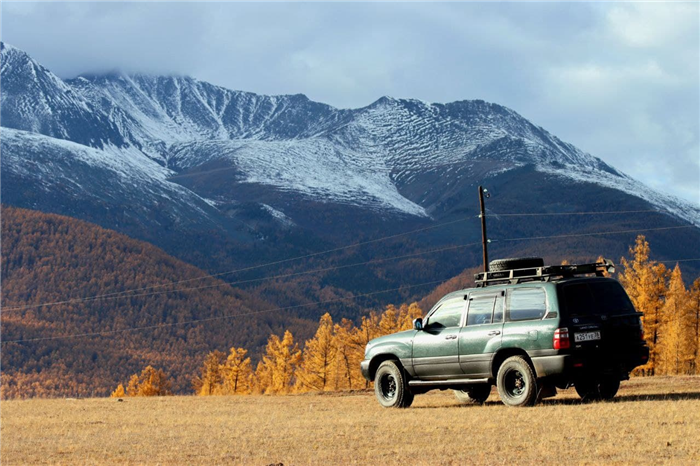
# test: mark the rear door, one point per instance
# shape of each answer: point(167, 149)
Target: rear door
point(480, 338)
point(435, 348)
point(600, 316)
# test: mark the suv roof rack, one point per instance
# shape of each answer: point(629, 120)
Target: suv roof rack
point(545, 273)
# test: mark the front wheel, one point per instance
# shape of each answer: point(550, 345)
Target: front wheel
point(516, 382)
point(391, 386)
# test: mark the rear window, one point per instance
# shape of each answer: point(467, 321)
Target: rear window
point(526, 304)
point(596, 298)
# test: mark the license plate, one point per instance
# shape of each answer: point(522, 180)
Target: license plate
point(588, 336)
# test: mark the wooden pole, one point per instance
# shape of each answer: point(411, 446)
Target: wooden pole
point(484, 240)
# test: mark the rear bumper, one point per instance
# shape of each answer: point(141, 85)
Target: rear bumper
point(364, 368)
point(552, 365)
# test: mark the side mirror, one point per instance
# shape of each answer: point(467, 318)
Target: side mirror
point(418, 324)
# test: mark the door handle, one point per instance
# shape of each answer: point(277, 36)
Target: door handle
point(495, 332)
point(451, 337)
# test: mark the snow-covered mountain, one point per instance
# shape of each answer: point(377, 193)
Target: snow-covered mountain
point(173, 152)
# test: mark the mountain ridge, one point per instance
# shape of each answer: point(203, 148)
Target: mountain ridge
point(223, 178)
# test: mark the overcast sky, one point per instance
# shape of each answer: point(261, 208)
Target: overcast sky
point(619, 80)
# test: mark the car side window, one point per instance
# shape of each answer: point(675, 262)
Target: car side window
point(449, 314)
point(526, 304)
point(480, 310)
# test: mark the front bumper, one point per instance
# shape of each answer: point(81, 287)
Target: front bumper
point(364, 368)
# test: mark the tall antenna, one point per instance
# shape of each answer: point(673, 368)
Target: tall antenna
point(482, 216)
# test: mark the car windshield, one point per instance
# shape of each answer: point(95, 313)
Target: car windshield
point(596, 298)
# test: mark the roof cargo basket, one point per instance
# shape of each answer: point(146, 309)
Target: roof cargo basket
point(545, 273)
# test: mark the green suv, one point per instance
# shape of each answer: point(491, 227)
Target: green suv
point(526, 328)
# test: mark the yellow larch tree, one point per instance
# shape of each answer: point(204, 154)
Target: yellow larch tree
point(318, 359)
point(237, 373)
point(676, 336)
point(344, 370)
point(695, 325)
point(645, 283)
point(389, 322)
point(407, 314)
point(132, 388)
point(154, 382)
point(275, 373)
point(369, 329)
point(118, 392)
point(211, 380)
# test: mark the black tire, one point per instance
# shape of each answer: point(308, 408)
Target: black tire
point(608, 387)
point(587, 388)
point(391, 386)
point(478, 394)
point(516, 382)
point(594, 388)
point(515, 263)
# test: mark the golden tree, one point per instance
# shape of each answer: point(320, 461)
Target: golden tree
point(237, 372)
point(211, 380)
point(132, 388)
point(154, 382)
point(118, 392)
point(368, 330)
point(275, 373)
point(645, 283)
point(407, 314)
point(344, 370)
point(677, 334)
point(389, 322)
point(319, 356)
point(695, 325)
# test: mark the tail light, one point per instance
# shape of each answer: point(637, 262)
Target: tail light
point(561, 338)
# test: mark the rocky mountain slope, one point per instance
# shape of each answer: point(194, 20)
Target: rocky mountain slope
point(226, 178)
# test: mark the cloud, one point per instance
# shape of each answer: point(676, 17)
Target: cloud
point(619, 80)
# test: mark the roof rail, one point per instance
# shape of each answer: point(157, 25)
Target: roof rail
point(545, 273)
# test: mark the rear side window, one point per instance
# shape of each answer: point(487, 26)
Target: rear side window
point(480, 310)
point(448, 314)
point(597, 298)
point(526, 304)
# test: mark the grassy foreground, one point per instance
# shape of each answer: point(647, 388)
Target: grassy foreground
point(652, 421)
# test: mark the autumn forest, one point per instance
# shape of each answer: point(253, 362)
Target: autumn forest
point(79, 349)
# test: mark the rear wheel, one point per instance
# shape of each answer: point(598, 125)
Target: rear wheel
point(597, 387)
point(516, 382)
point(608, 387)
point(474, 395)
point(391, 386)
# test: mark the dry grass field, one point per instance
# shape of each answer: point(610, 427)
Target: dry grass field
point(652, 421)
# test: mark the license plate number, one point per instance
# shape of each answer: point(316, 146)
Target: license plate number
point(588, 336)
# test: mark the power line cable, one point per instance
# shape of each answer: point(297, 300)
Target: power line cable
point(253, 280)
point(524, 238)
point(547, 214)
point(122, 295)
point(245, 269)
point(228, 316)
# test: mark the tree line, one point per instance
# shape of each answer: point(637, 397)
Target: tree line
point(330, 361)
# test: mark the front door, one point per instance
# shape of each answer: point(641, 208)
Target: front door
point(480, 338)
point(436, 347)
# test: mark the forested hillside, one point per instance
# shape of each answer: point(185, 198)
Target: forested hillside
point(48, 258)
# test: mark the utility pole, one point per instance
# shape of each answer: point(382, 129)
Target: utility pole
point(484, 239)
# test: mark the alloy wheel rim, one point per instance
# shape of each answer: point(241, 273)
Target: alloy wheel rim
point(388, 387)
point(515, 383)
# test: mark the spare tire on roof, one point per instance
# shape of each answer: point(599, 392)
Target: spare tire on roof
point(515, 263)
